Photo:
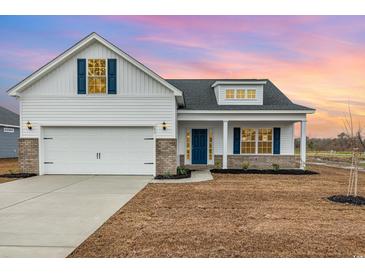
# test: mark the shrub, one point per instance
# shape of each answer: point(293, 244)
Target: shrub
point(245, 165)
point(218, 164)
point(182, 170)
point(275, 167)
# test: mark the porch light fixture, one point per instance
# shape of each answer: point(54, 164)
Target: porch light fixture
point(164, 126)
point(29, 125)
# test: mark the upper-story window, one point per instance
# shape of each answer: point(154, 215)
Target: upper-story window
point(229, 93)
point(251, 94)
point(96, 71)
point(240, 93)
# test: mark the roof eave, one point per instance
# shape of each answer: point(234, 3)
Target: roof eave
point(308, 111)
point(233, 82)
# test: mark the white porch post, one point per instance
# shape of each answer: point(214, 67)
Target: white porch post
point(303, 144)
point(225, 143)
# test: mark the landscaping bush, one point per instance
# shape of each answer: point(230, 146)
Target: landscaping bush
point(181, 173)
point(245, 165)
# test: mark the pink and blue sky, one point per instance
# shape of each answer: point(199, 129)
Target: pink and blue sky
point(317, 61)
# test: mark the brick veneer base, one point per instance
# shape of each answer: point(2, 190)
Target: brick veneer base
point(166, 156)
point(28, 155)
point(262, 161)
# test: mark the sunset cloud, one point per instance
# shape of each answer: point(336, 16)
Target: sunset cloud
point(317, 61)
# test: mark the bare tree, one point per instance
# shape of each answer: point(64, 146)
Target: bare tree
point(360, 138)
point(355, 140)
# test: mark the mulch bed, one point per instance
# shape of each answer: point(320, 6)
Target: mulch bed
point(265, 171)
point(344, 199)
point(176, 176)
point(18, 175)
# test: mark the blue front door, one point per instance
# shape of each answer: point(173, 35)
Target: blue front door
point(199, 146)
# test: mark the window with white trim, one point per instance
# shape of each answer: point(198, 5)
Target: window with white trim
point(251, 94)
point(96, 71)
point(229, 93)
point(248, 141)
point(265, 141)
point(260, 140)
point(240, 94)
point(187, 137)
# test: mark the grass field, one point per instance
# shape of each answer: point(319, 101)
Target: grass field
point(236, 216)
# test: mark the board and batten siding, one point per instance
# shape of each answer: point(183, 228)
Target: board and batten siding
point(140, 99)
point(286, 136)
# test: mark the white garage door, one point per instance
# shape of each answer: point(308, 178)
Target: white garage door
point(98, 150)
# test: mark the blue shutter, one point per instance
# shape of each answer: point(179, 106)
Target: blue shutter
point(81, 76)
point(112, 76)
point(276, 140)
point(236, 140)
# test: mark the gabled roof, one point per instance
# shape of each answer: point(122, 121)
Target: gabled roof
point(199, 95)
point(8, 117)
point(78, 47)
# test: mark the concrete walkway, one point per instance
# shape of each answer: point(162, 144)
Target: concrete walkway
point(49, 216)
point(196, 176)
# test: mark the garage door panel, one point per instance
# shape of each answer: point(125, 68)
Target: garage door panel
point(123, 150)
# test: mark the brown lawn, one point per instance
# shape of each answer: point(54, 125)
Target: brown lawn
point(236, 216)
point(8, 166)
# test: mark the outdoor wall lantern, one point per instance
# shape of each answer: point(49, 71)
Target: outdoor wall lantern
point(164, 126)
point(29, 125)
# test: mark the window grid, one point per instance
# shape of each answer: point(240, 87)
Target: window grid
point(248, 143)
point(96, 76)
point(229, 93)
point(265, 141)
point(210, 144)
point(187, 144)
point(240, 94)
point(251, 94)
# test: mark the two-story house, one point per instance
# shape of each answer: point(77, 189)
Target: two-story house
point(96, 110)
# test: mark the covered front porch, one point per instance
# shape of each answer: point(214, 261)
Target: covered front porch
point(240, 140)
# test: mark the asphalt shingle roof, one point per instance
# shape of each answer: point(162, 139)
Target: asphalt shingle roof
point(8, 117)
point(199, 95)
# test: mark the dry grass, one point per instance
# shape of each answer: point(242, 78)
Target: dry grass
point(7, 165)
point(236, 216)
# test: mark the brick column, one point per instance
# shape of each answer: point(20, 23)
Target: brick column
point(166, 155)
point(28, 155)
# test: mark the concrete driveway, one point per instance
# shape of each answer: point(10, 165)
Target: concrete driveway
point(49, 216)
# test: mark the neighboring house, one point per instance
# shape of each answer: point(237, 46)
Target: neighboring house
point(96, 110)
point(9, 133)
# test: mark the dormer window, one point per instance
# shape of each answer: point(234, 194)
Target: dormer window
point(240, 93)
point(96, 71)
point(230, 94)
point(251, 94)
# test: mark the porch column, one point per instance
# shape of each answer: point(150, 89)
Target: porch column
point(225, 143)
point(303, 144)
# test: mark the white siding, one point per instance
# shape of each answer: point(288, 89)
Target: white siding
point(146, 111)
point(220, 91)
point(140, 100)
point(63, 80)
point(286, 138)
